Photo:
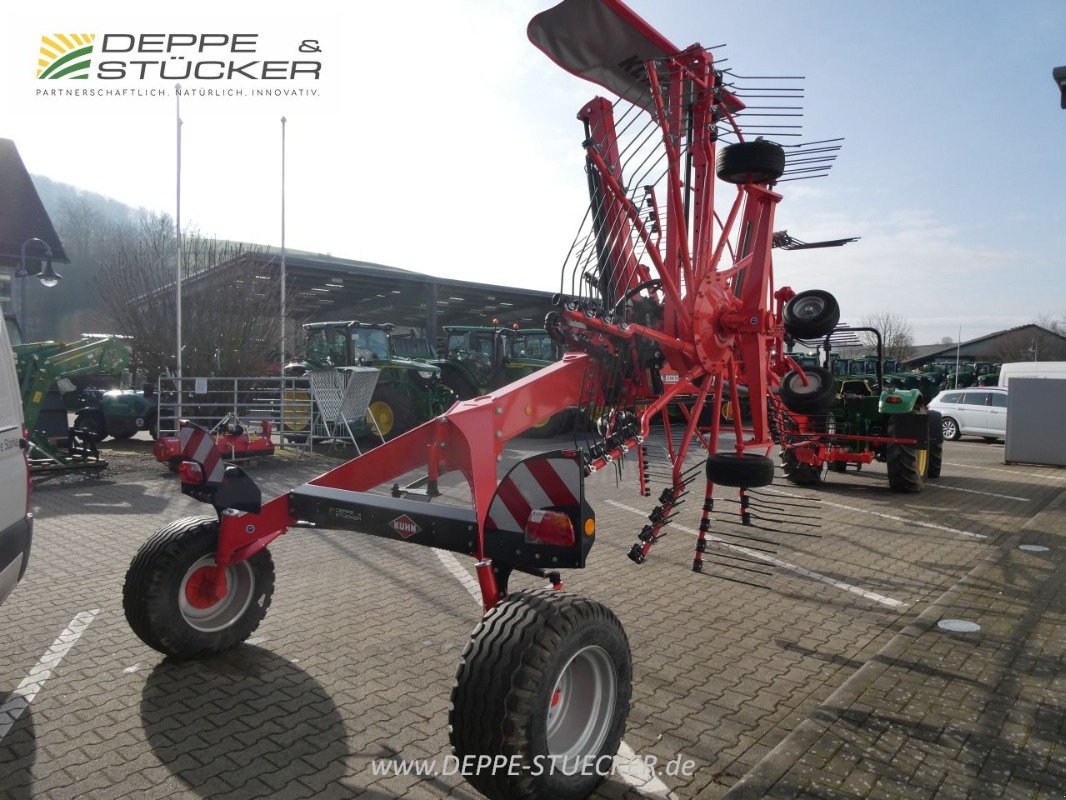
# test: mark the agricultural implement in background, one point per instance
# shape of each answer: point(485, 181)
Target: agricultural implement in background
point(235, 440)
point(655, 277)
point(856, 419)
point(42, 365)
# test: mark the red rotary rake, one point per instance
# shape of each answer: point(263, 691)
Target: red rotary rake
point(671, 269)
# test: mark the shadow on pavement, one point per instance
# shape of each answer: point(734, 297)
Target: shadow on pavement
point(18, 753)
point(246, 723)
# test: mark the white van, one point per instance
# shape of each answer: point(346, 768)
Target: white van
point(1031, 369)
point(16, 521)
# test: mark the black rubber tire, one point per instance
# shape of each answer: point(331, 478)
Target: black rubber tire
point(747, 472)
point(505, 685)
point(811, 315)
point(797, 472)
point(905, 470)
point(90, 426)
point(837, 466)
point(950, 428)
point(936, 444)
point(400, 408)
point(464, 389)
point(123, 435)
point(556, 424)
point(151, 594)
point(815, 397)
point(758, 161)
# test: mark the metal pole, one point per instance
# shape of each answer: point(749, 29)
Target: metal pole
point(958, 346)
point(281, 349)
point(177, 227)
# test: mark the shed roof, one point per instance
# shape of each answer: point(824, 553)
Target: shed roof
point(22, 214)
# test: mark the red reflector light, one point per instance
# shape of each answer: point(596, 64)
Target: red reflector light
point(893, 399)
point(190, 472)
point(549, 527)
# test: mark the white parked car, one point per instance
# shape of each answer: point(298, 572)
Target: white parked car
point(980, 411)
point(16, 521)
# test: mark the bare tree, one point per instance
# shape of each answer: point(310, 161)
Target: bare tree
point(897, 336)
point(229, 299)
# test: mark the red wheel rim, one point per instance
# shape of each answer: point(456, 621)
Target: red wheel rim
point(200, 588)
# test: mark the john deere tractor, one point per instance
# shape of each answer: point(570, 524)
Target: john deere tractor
point(479, 360)
point(408, 391)
point(856, 419)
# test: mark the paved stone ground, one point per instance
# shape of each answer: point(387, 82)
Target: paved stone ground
point(357, 656)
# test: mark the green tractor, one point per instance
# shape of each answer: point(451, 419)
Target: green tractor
point(47, 371)
point(119, 413)
point(981, 373)
point(478, 360)
point(833, 421)
point(408, 391)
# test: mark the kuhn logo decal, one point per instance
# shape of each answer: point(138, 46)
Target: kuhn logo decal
point(405, 526)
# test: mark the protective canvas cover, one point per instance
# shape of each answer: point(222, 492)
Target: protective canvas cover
point(603, 41)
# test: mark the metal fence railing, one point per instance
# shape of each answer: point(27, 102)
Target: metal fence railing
point(301, 410)
point(207, 401)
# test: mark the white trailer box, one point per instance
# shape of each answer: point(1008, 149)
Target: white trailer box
point(1034, 432)
point(1031, 369)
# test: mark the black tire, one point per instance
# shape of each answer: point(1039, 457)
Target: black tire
point(160, 599)
point(123, 435)
point(90, 426)
point(811, 315)
point(758, 161)
point(936, 444)
point(747, 472)
point(553, 426)
point(951, 429)
point(815, 397)
point(393, 411)
point(508, 687)
point(907, 465)
point(837, 466)
point(464, 389)
point(797, 472)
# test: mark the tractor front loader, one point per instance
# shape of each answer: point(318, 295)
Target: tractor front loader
point(42, 365)
point(672, 266)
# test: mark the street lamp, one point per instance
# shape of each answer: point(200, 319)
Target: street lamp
point(48, 276)
point(1058, 74)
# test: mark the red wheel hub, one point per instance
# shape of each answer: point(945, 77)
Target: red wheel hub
point(556, 697)
point(200, 588)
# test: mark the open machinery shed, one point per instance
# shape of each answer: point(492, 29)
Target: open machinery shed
point(322, 287)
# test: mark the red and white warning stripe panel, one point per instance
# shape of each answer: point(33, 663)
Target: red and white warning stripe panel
point(537, 482)
point(199, 446)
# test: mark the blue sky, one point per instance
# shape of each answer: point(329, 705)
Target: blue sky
point(442, 141)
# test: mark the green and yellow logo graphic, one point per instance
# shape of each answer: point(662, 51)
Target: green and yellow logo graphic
point(65, 55)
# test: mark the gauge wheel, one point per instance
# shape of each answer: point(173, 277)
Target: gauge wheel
point(798, 472)
point(811, 315)
point(173, 601)
point(813, 398)
point(757, 161)
point(546, 675)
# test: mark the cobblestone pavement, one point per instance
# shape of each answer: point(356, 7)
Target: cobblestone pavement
point(827, 678)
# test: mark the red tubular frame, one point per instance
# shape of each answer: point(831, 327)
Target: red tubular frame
point(721, 322)
point(469, 438)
